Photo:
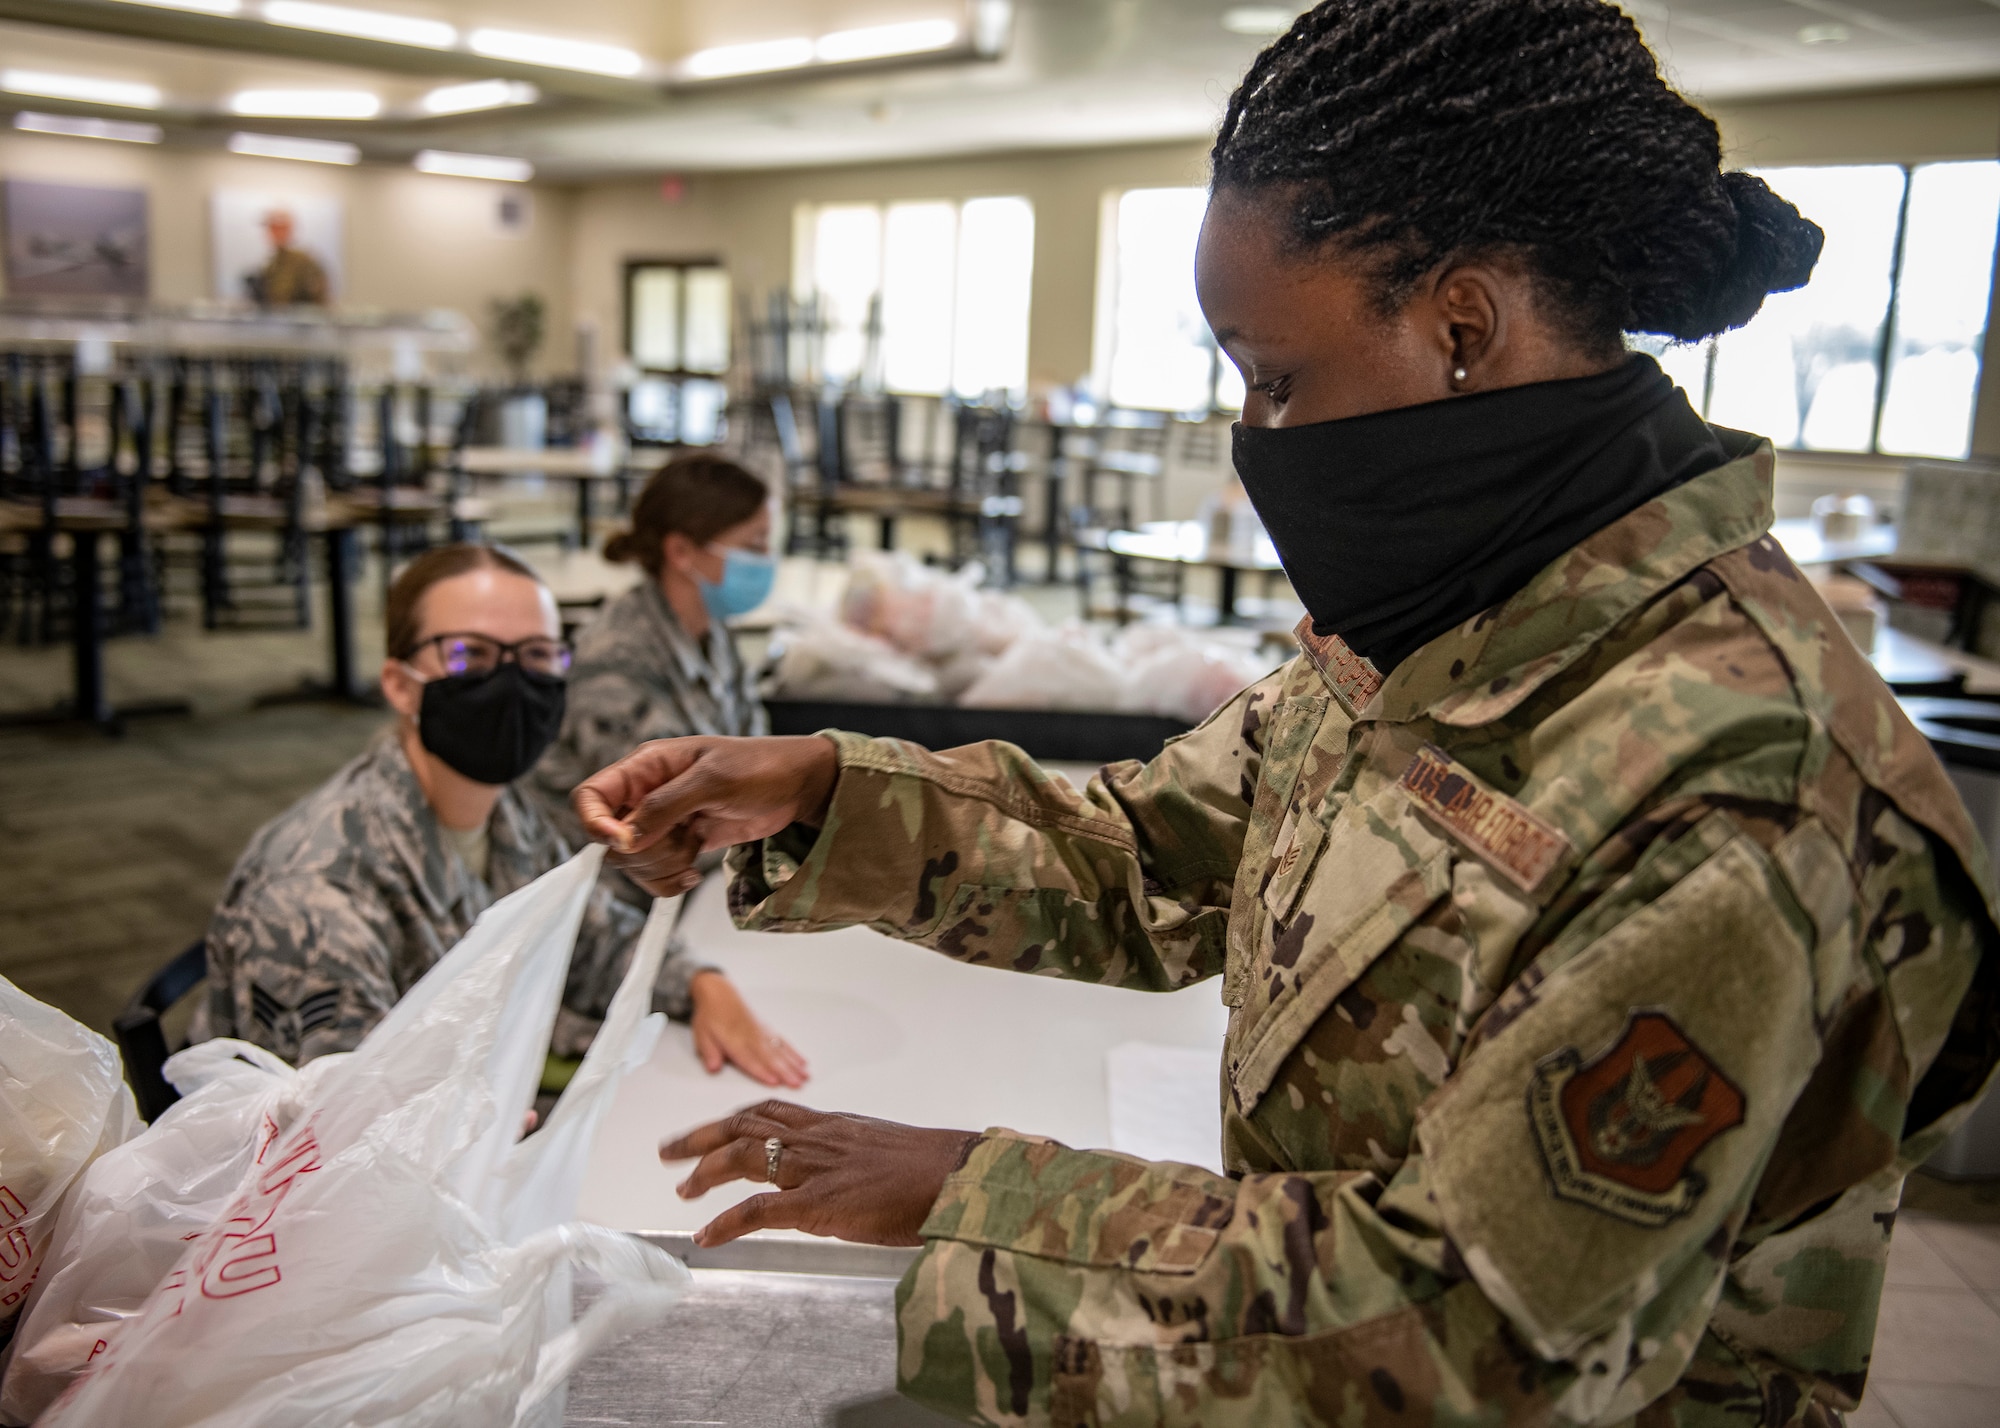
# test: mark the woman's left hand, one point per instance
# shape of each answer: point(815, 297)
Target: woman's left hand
point(872, 1182)
point(726, 1031)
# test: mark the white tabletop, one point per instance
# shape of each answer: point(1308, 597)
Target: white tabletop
point(891, 1030)
point(1806, 545)
point(559, 461)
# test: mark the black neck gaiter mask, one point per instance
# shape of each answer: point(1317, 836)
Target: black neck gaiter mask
point(1397, 526)
point(491, 727)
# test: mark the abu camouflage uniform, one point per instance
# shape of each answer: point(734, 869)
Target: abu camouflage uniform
point(343, 901)
point(638, 676)
point(1594, 980)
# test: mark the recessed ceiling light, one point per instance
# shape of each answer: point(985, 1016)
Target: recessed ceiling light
point(480, 94)
point(80, 88)
point(208, 7)
point(363, 24)
point(284, 146)
point(79, 128)
point(883, 41)
point(762, 57)
point(479, 166)
point(992, 20)
point(1258, 19)
point(1825, 35)
point(557, 53)
point(306, 103)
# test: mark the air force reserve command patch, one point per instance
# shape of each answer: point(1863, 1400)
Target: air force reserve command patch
point(1619, 1132)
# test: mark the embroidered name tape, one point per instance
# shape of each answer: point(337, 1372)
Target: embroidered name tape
point(1353, 676)
point(1521, 845)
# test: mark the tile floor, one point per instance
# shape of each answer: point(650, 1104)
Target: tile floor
point(1937, 1344)
point(112, 850)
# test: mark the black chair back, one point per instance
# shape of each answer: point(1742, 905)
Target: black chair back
point(142, 1041)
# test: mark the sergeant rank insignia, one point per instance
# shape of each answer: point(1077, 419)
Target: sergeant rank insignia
point(1618, 1132)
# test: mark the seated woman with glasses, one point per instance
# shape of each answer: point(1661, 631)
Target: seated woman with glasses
point(659, 661)
point(343, 901)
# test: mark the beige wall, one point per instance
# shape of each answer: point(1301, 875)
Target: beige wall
point(747, 219)
point(413, 241)
point(1887, 127)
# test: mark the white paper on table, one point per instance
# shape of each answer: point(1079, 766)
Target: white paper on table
point(1164, 1103)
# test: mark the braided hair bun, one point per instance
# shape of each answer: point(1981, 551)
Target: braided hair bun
point(1419, 132)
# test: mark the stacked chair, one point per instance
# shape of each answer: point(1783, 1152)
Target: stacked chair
point(217, 474)
point(886, 457)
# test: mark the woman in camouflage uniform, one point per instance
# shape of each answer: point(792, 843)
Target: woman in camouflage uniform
point(1602, 947)
point(343, 901)
point(659, 662)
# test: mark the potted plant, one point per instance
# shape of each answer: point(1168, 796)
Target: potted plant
point(517, 331)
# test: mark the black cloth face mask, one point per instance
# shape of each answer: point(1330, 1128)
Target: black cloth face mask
point(1400, 525)
point(491, 727)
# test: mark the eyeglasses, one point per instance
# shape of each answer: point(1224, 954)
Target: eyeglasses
point(477, 654)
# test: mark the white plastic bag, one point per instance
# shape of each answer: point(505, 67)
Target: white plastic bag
point(929, 613)
point(63, 1103)
point(397, 1257)
point(130, 1217)
point(819, 658)
point(1067, 668)
point(1177, 673)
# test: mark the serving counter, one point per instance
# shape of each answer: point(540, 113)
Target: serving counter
point(786, 1329)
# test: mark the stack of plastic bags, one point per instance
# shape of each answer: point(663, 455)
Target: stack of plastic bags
point(368, 1240)
point(63, 1105)
point(908, 632)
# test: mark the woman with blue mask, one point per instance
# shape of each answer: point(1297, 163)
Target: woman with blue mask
point(659, 661)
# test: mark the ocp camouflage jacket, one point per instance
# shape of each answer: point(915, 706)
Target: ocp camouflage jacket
point(1594, 981)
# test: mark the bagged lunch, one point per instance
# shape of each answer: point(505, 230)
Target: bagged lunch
point(63, 1103)
point(397, 1255)
point(130, 1217)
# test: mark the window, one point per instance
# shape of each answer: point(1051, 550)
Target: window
point(677, 326)
point(924, 298)
point(1156, 351)
point(677, 317)
point(1902, 289)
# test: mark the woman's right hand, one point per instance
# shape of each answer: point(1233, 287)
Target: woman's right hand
point(666, 803)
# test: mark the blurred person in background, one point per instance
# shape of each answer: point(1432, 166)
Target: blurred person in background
point(659, 661)
point(1602, 945)
point(341, 903)
point(291, 277)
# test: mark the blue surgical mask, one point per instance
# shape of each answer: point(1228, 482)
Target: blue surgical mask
point(747, 578)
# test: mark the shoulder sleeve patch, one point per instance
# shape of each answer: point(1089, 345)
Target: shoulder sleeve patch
point(1523, 846)
point(1617, 1132)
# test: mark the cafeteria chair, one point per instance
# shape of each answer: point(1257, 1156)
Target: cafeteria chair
point(1129, 447)
point(142, 1040)
point(78, 504)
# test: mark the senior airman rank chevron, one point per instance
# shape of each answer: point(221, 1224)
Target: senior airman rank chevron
point(1522, 846)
